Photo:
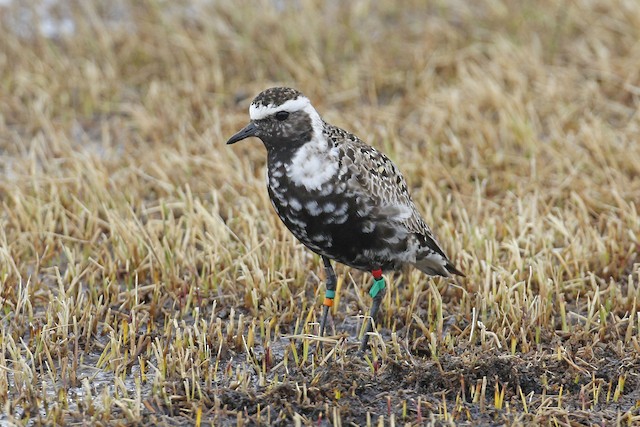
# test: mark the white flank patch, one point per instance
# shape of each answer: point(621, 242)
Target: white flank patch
point(405, 212)
point(431, 264)
point(436, 258)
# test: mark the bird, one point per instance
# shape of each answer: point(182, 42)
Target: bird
point(340, 197)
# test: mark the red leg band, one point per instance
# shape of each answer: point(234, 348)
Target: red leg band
point(377, 273)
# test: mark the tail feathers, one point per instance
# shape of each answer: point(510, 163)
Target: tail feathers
point(453, 270)
point(435, 265)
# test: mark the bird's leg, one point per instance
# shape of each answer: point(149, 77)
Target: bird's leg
point(377, 291)
point(330, 293)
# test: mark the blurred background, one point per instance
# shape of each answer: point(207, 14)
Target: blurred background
point(127, 225)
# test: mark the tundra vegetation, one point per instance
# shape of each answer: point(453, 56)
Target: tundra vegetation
point(146, 280)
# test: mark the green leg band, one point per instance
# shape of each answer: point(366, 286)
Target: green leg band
point(330, 293)
point(378, 285)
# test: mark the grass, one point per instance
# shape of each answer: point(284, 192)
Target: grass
point(146, 280)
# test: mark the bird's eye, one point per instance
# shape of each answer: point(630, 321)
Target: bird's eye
point(282, 115)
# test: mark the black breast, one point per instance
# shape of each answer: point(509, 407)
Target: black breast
point(329, 221)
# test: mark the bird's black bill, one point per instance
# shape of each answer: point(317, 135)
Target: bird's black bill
point(246, 132)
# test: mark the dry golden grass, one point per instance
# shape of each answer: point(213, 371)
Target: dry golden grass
point(145, 278)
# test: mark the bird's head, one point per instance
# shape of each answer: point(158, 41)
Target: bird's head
point(283, 118)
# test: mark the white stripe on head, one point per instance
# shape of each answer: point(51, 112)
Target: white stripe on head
point(259, 112)
point(316, 121)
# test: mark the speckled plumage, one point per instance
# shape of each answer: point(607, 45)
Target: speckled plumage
point(276, 96)
point(340, 197)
